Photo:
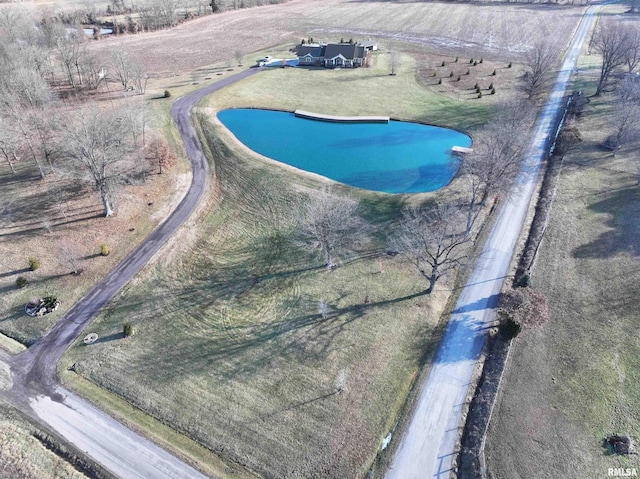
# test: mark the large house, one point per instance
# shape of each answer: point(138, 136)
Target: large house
point(333, 55)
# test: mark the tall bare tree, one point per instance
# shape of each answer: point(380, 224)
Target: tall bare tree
point(433, 242)
point(632, 54)
point(539, 61)
point(121, 65)
point(329, 224)
point(612, 43)
point(497, 154)
point(624, 122)
point(96, 145)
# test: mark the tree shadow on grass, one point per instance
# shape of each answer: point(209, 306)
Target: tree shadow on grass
point(244, 350)
point(623, 209)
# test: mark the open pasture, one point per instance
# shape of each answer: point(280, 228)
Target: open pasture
point(500, 31)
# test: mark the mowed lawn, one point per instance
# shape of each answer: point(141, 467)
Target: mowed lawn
point(231, 348)
point(576, 381)
point(358, 91)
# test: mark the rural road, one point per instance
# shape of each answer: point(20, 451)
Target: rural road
point(427, 447)
point(35, 389)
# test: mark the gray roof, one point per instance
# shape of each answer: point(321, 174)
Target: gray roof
point(347, 50)
point(313, 50)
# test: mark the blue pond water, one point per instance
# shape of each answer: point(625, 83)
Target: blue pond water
point(398, 157)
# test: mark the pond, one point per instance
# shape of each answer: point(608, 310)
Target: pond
point(393, 157)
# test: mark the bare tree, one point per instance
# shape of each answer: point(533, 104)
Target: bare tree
point(95, 144)
point(8, 145)
point(497, 154)
point(611, 42)
point(625, 123)
point(394, 62)
point(70, 254)
point(239, 57)
point(160, 154)
point(432, 242)
point(632, 53)
point(329, 225)
point(121, 64)
point(538, 63)
point(140, 77)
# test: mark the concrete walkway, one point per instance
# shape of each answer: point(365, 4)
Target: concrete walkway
point(427, 448)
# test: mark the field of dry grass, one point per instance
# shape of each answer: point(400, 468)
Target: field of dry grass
point(499, 31)
point(575, 382)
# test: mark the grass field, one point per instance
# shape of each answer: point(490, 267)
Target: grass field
point(22, 456)
point(360, 91)
point(576, 381)
point(230, 346)
point(497, 30)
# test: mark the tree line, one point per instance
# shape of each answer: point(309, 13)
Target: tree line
point(47, 116)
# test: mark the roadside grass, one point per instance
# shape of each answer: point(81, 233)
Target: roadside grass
point(160, 433)
point(230, 346)
point(575, 382)
point(24, 456)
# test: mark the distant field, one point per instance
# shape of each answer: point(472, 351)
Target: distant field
point(576, 381)
point(502, 31)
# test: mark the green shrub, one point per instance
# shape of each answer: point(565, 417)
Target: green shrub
point(490, 86)
point(480, 61)
point(127, 329)
point(434, 73)
point(476, 86)
point(510, 328)
point(479, 94)
point(523, 281)
point(468, 72)
point(451, 75)
point(458, 77)
point(494, 73)
point(493, 91)
point(442, 63)
point(167, 94)
point(34, 263)
point(440, 81)
point(104, 250)
point(21, 282)
point(456, 60)
point(475, 64)
point(471, 61)
point(509, 65)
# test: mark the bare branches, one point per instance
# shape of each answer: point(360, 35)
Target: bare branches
point(497, 154)
point(95, 143)
point(432, 243)
point(612, 42)
point(329, 225)
point(539, 62)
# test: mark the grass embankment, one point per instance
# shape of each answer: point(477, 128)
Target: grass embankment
point(22, 456)
point(576, 381)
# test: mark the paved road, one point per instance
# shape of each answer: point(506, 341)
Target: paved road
point(35, 387)
point(427, 448)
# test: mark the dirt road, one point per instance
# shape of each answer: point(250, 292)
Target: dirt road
point(35, 389)
point(427, 448)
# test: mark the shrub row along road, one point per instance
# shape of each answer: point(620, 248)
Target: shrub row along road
point(428, 446)
point(35, 388)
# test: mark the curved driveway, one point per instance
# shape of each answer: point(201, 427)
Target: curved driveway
point(35, 387)
point(427, 448)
